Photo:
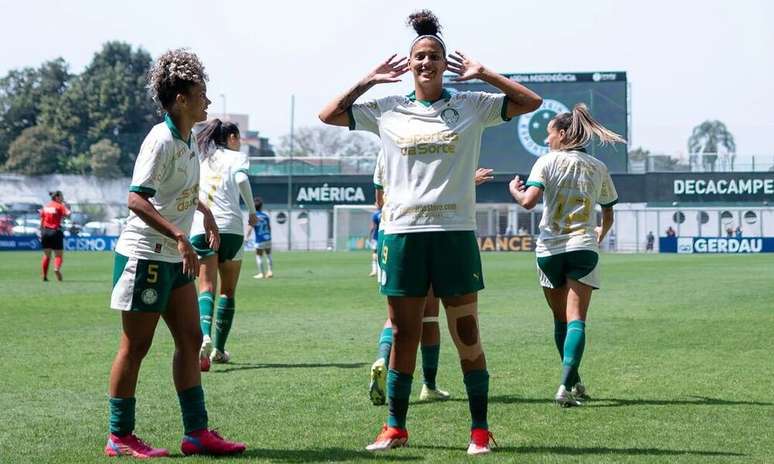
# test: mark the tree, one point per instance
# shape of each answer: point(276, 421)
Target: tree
point(639, 154)
point(79, 164)
point(24, 96)
point(107, 101)
point(35, 152)
point(327, 141)
point(663, 163)
point(105, 156)
point(708, 138)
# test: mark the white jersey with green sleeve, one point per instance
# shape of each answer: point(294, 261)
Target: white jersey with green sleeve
point(379, 171)
point(167, 169)
point(573, 182)
point(431, 152)
point(219, 190)
point(379, 183)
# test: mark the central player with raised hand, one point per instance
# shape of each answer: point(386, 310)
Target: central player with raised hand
point(431, 140)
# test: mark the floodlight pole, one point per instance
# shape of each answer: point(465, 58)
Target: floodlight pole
point(290, 173)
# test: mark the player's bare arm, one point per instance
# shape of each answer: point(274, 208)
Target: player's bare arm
point(607, 223)
point(210, 227)
point(139, 204)
point(525, 196)
point(335, 112)
point(520, 99)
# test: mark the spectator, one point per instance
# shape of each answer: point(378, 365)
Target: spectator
point(649, 241)
point(6, 225)
point(670, 232)
point(738, 232)
point(729, 232)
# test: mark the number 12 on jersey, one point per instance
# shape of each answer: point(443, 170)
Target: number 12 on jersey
point(572, 212)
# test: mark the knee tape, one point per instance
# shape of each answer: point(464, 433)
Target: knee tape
point(468, 348)
point(427, 320)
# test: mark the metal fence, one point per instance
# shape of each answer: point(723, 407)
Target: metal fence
point(309, 166)
point(364, 165)
point(703, 162)
point(634, 222)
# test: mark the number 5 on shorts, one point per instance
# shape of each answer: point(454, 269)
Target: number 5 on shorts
point(153, 273)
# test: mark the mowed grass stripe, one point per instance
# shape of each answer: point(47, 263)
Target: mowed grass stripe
point(678, 359)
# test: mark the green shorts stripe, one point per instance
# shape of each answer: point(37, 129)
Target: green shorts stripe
point(578, 265)
point(232, 247)
point(447, 261)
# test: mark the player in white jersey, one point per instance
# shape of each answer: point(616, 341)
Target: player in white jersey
point(431, 140)
point(222, 181)
point(572, 184)
point(430, 344)
point(431, 335)
point(155, 264)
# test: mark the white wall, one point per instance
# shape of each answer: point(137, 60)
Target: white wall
point(76, 189)
point(633, 221)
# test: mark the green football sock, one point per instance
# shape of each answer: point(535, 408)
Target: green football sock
point(430, 364)
point(560, 332)
point(192, 408)
point(122, 415)
point(223, 320)
point(398, 393)
point(477, 386)
point(205, 312)
point(573, 352)
point(385, 344)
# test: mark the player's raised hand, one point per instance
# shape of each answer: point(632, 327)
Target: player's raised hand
point(483, 175)
point(389, 70)
point(464, 66)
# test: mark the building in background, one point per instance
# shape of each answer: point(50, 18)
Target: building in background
point(252, 143)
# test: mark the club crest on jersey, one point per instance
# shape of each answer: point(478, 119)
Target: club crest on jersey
point(149, 296)
point(533, 127)
point(450, 116)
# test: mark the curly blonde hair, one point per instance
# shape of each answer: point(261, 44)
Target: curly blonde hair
point(174, 72)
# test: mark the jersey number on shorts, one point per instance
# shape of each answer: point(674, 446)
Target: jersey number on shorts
point(385, 251)
point(153, 273)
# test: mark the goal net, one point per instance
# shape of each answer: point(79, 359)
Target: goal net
point(351, 226)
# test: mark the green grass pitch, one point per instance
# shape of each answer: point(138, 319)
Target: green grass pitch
point(678, 360)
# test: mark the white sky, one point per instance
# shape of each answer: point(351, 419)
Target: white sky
point(687, 60)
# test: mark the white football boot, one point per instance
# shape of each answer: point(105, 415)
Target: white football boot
point(377, 387)
point(564, 398)
point(220, 357)
point(430, 394)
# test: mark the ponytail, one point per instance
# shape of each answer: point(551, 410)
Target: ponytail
point(214, 135)
point(580, 127)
